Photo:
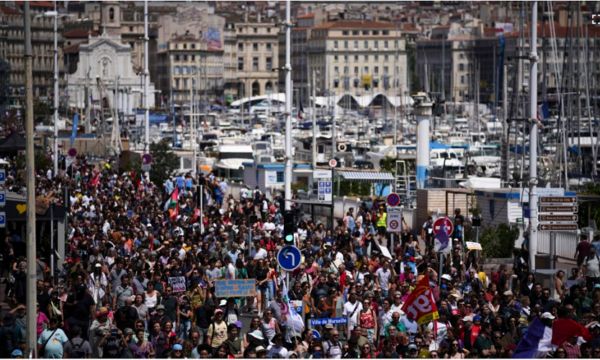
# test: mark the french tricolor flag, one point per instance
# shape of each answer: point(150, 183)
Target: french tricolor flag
point(540, 339)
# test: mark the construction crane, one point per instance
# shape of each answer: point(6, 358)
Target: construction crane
point(115, 139)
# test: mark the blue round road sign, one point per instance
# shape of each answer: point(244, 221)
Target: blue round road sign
point(316, 334)
point(72, 152)
point(289, 258)
point(393, 199)
point(146, 159)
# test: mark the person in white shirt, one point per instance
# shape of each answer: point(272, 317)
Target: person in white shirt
point(230, 274)
point(269, 225)
point(278, 349)
point(351, 310)
point(261, 253)
point(440, 327)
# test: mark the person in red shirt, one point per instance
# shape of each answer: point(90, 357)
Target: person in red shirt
point(582, 250)
point(468, 332)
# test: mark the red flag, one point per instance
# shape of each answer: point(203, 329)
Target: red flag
point(420, 305)
point(564, 329)
point(95, 180)
point(196, 214)
point(175, 212)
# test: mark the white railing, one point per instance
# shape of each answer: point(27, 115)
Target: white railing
point(566, 242)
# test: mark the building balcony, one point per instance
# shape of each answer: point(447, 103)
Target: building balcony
point(230, 37)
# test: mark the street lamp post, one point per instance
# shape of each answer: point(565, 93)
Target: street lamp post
point(54, 14)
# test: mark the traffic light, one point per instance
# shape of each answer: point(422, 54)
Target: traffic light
point(288, 227)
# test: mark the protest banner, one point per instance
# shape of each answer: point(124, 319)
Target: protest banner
point(178, 283)
point(235, 288)
point(327, 321)
point(473, 245)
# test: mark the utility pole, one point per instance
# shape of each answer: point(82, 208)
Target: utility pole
point(29, 154)
point(533, 198)
point(314, 116)
point(55, 149)
point(288, 107)
point(146, 81)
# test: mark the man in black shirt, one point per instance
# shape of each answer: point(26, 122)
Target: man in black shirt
point(82, 307)
point(318, 292)
point(203, 316)
point(43, 298)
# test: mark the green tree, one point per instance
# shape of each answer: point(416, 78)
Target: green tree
point(41, 160)
point(498, 241)
point(590, 210)
point(164, 162)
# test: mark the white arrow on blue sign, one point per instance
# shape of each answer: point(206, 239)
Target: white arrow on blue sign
point(2, 219)
point(2, 176)
point(2, 198)
point(289, 258)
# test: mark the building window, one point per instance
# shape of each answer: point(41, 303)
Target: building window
point(176, 70)
point(131, 29)
point(336, 70)
point(345, 44)
point(354, 32)
point(255, 64)
point(355, 57)
point(355, 45)
point(376, 70)
point(461, 56)
point(269, 30)
point(185, 58)
point(185, 84)
point(345, 32)
point(345, 70)
point(365, 70)
point(385, 58)
point(375, 32)
point(176, 83)
point(240, 63)
point(193, 46)
point(132, 45)
point(376, 57)
point(240, 47)
point(185, 46)
point(385, 44)
point(269, 47)
point(255, 47)
point(269, 64)
point(111, 15)
point(335, 58)
point(366, 57)
point(193, 57)
point(256, 30)
point(280, 176)
point(335, 44)
point(385, 32)
point(396, 44)
point(356, 70)
point(385, 70)
point(365, 32)
point(461, 67)
point(376, 44)
point(462, 79)
point(184, 70)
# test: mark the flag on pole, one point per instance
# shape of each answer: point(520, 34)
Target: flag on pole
point(290, 317)
point(171, 203)
point(95, 180)
point(536, 343)
point(420, 305)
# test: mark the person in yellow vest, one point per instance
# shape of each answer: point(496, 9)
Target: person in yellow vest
point(381, 223)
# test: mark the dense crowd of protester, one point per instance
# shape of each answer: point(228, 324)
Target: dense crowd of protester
point(115, 298)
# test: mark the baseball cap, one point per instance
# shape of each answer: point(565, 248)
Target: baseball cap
point(412, 347)
point(160, 307)
point(467, 319)
point(218, 311)
point(547, 315)
point(177, 347)
point(447, 277)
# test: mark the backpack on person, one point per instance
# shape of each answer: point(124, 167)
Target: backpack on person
point(76, 351)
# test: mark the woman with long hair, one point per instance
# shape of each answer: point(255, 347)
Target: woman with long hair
point(262, 278)
point(455, 352)
point(255, 325)
point(142, 349)
point(368, 320)
point(270, 326)
point(141, 308)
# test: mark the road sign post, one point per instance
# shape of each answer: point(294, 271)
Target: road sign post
point(437, 225)
point(558, 213)
point(569, 200)
point(2, 176)
point(555, 227)
point(2, 219)
point(393, 200)
point(72, 152)
point(289, 258)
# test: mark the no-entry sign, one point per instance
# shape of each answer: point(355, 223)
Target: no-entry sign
point(437, 225)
